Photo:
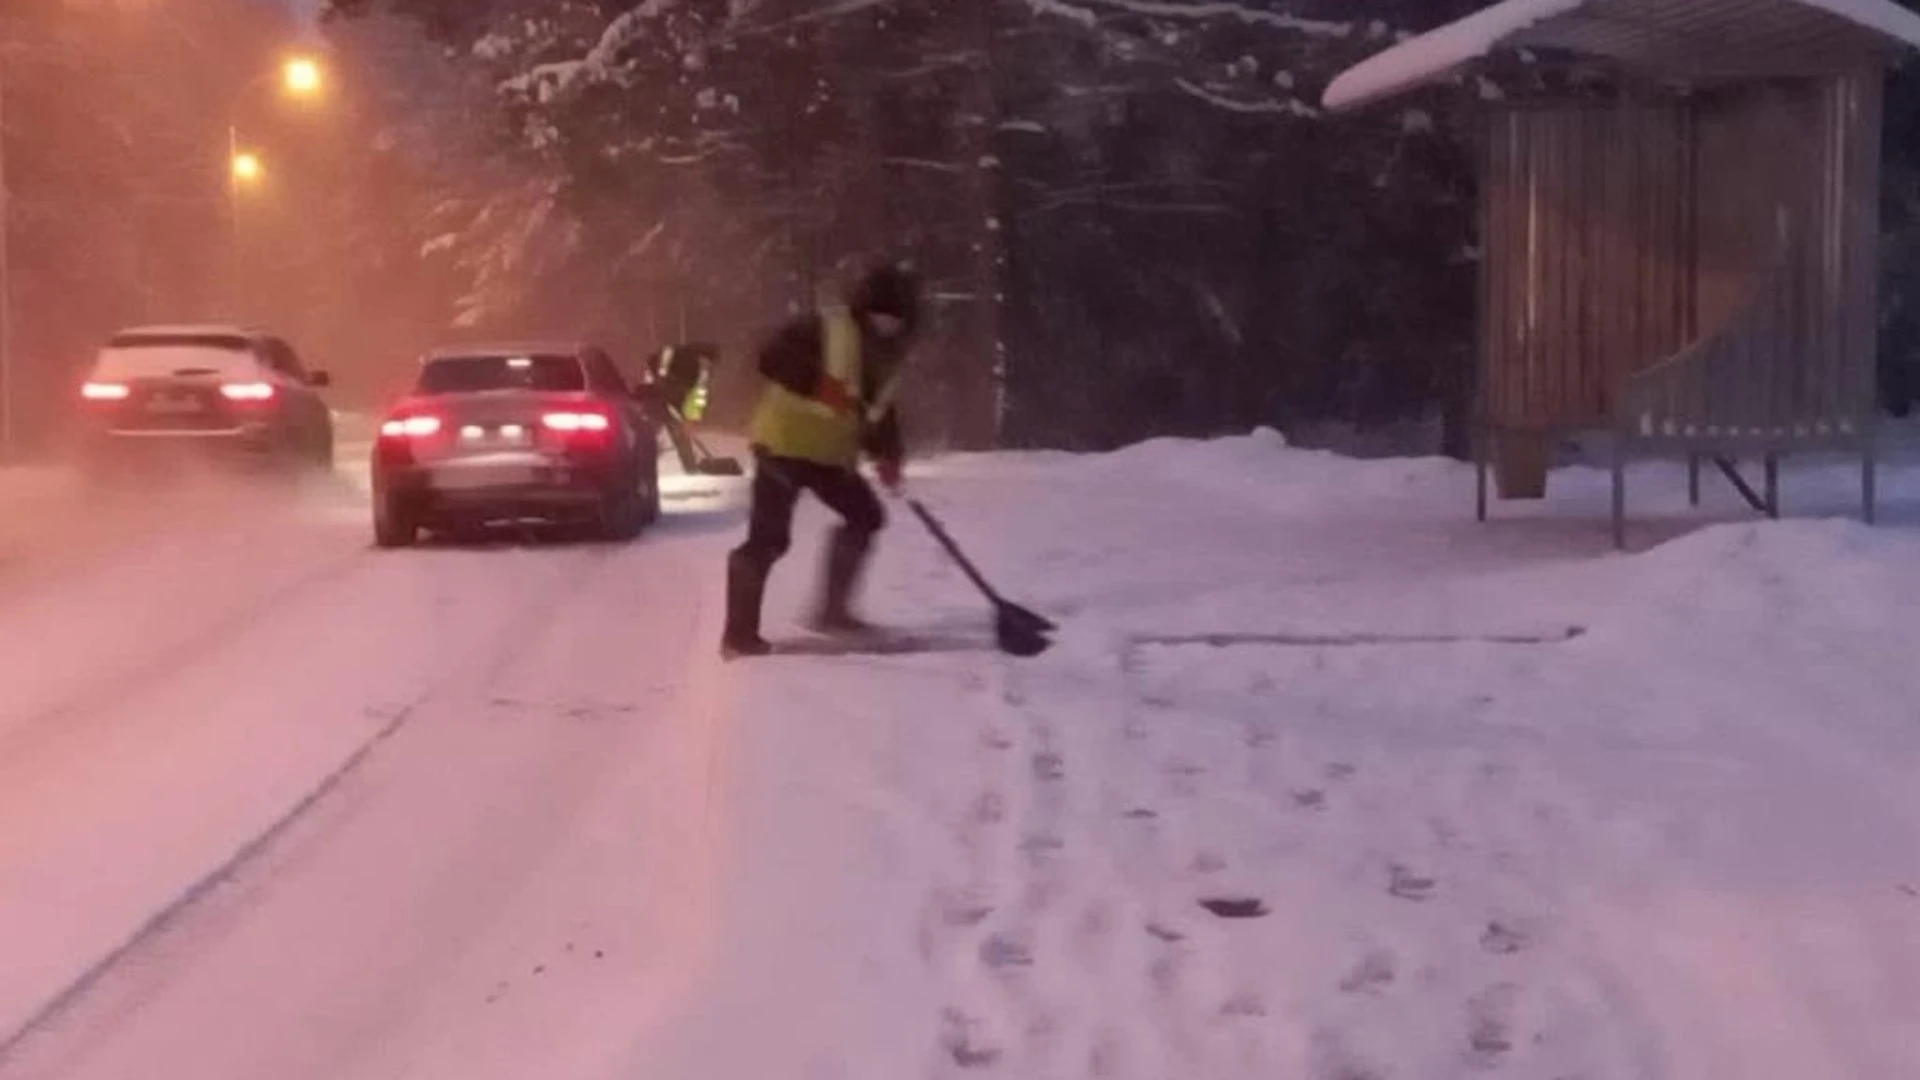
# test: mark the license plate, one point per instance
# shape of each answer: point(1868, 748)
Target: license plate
point(507, 435)
point(174, 406)
point(480, 477)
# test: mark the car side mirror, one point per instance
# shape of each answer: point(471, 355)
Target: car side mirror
point(319, 379)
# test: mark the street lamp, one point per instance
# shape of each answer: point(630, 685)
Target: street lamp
point(246, 166)
point(6, 290)
point(301, 77)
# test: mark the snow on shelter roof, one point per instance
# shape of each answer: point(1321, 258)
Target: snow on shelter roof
point(1697, 39)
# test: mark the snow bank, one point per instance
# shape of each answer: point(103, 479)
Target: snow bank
point(1318, 784)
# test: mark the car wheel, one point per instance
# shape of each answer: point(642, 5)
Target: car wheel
point(394, 526)
point(622, 513)
point(650, 492)
point(323, 459)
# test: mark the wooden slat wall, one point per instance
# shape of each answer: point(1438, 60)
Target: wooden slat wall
point(1775, 303)
point(1586, 227)
point(1739, 227)
point(1859, 116)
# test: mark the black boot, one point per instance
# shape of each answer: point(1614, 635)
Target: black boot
point(846, 559)
point(746, 585)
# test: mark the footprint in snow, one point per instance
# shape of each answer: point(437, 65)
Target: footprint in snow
point(1049, 766)
point(1245, 1004)
point(958, 1039)
point(1185, 777)
point(1490, 1023)
point(1103, 1057)
point(1310, 799)
point(1235, 907)
point(1340, 770)
point(1504, 939)
point(1041, 843)
point(1093, 932)
point(1330, 1059)
point(1373, 973)
point(1001, 951)
point(1209, 862)
point(1407, 885)
point(964, 908)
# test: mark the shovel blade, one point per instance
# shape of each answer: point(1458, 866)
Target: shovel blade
point(1020, 632)
point(722, 467)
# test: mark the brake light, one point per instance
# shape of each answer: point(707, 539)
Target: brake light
point(249, 391)
point(410, 427)
point(105, 391)
point(575, 421)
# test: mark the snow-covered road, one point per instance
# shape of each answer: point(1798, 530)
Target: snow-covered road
point(273, 804)
point(1323, 780)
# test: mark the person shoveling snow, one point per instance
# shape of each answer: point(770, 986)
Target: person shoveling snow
point(832, 378)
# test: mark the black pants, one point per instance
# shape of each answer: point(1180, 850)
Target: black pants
point(777, 485)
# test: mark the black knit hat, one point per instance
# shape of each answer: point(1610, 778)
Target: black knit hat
point(890, 289)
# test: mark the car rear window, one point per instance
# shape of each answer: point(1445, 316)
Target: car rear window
point(139, 340)
point(162, 356)
point(472, 374)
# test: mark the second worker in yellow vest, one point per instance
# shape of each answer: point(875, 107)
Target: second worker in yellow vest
point(830, 397)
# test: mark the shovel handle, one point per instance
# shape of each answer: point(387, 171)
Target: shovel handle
point(940, 533)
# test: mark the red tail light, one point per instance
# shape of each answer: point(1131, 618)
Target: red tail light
point(575, 421)
point(105, 391)
point(247, 391)
point(410, 427)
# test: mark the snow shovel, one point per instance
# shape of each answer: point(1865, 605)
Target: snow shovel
point(1018, 631)
point(701, 461)
point(712, 464)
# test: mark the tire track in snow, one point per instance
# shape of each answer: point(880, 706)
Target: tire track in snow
point(159, 922)
point(489, 661)
point(176, 660)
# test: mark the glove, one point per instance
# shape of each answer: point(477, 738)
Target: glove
point(889, 470)
point(833, 395)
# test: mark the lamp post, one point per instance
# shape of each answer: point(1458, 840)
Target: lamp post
point(6, 287)
point(301, 78)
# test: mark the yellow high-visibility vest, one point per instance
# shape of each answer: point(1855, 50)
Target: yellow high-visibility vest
point(793, 425)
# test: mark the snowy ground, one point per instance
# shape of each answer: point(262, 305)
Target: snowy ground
point(1324, 780)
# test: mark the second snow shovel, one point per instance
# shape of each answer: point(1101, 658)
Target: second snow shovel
point(695, 458)
point(713, 465)
point(1018, 631)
